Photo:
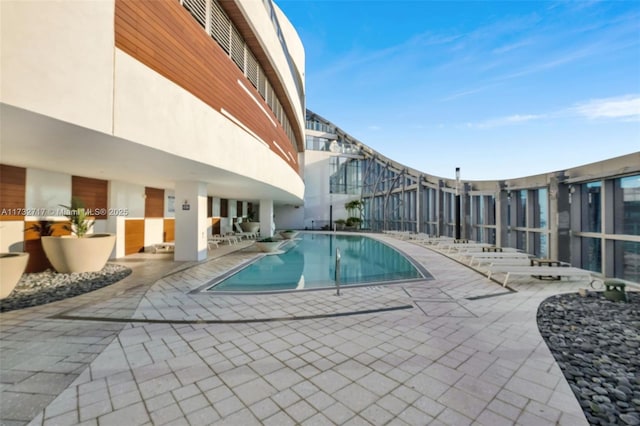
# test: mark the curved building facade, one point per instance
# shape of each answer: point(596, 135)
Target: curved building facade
point(588, 216)
point(170, 119)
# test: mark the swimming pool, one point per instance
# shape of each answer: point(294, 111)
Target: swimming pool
point(308, 262)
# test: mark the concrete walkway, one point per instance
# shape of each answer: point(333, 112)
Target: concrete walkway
point(458, 349)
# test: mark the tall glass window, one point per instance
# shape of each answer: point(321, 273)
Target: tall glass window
point(627, 260)
point(345, 176)
point(540, 245)
point(591, 214)
point(491, 210)
point(592, 254)
point(521, 240)
point(626, 209)
point(542, 209)
point(522, 209)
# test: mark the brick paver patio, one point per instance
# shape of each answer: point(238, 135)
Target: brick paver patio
point(458, 349)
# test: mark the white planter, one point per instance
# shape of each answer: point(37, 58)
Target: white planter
point(12, 266)
point(250, 226)
point(287, 235)
point(268, 247)
point(71, 254)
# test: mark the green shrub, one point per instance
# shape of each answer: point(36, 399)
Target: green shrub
point(353, 221)
point(267, 240)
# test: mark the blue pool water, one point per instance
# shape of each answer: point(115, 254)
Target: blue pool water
point(309, 262)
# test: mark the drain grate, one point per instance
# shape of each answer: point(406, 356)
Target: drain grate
point(487, 296)
point(444, 309)
point(238, 321)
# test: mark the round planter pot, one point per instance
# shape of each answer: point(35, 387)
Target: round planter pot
point(250, 226)
point(287, 235)
point(12, 266)
point(267, 247)
point(71, 254)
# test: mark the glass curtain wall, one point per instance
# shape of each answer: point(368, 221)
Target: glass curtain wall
point(483, 218)
point(626, 213)
point(345, 176)
point(590, 222)
point(603, 215)
point(540, 233)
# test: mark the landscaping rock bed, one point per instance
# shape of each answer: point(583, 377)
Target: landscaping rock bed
point(49, 286)
point(597, 345)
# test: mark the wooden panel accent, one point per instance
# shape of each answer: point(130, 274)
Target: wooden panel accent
point(246, 31)
point(57, 229)
point(224, 207)
point(239, 208)
point(38, 261)
point(165, 37)
point(250, 211)
point(133, 236)
point(92, 193)
point(215, 225)
point(13, 183)
point(169, 233)
point(209, 206)
point(153, 202)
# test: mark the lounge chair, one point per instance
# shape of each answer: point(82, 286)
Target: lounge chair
point(165, 247)
point(459, 247)
point(537, 271)
point(222, 238)
point(242, 233)
point(484, 257)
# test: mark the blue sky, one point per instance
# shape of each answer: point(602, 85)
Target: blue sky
point(499, 89)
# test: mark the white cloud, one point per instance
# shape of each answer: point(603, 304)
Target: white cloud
point(513, 46)
point(505, 121)
point(623, 107)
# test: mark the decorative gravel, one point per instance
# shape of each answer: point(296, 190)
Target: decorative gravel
point(49, 286)
point(597, 345)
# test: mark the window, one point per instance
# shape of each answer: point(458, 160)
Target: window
point(627, 260)
point(345, 176)
point(541, 214)
point(540, 245)
point(592, 254)
point(521, 209)
point(591, 216)
point(626, 209)
point(521, 240)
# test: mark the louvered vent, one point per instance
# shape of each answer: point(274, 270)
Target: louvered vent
point(270, 97)
point(252, 69)
point(237, 49)
point(262, 83)
point(197, 9)
point(220, 27)
point(225, 34)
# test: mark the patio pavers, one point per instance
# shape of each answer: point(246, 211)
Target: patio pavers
point(453, 350)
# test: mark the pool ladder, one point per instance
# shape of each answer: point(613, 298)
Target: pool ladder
point(337, 272)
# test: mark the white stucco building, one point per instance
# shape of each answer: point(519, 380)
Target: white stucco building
point(170, 119)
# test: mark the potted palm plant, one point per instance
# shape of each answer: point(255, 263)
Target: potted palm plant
point(288, 234)
point(268, 245)
point(249, 225)
point(80, 251)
